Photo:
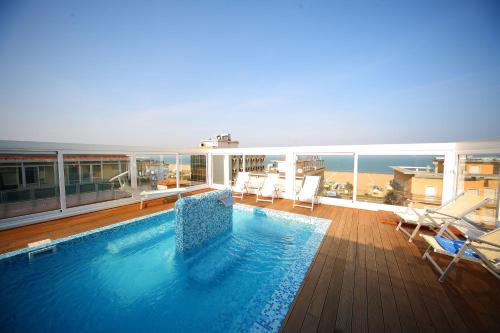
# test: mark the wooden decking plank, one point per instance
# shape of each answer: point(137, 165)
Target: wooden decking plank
point(431, 278)
point(315, 309)
point(426, 295)
point(331, 305)
point(374, 304)
point(360, 306)
point(406, 316)
point(345, 309)
point(387, 297)
point(422, 318)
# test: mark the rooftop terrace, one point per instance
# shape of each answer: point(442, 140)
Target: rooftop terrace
point(365, 277)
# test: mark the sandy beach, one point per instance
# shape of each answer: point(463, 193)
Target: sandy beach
point(365, 180)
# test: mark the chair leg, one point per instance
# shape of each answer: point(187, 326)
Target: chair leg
point(399, 224)
point(414, 233)
point(427, 251)
point(453, 262)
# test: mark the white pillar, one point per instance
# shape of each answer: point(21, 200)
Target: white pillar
point(355, 178)
point(450, 175)
point(290, 176)
point(133, 170)
point(227, 171)
point(209, 169)
point(62, 182)
point(177, 172)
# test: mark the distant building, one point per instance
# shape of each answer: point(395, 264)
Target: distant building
point(253, 163)
point(220, 141)
point(479, 175)
point(310, 166)
point(419, 183)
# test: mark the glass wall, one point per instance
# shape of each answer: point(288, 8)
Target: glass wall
point(336, 171)
point(393, 180)
point(29, 184)
point(156, 172)
point(218, 169)
point(193, 170)
point(479, 174)
point(96, 178)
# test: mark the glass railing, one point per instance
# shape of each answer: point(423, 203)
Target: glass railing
point(29, 184)
point(96, 178)
point(378, 176)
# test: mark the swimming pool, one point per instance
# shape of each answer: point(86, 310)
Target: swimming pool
point(128, 277)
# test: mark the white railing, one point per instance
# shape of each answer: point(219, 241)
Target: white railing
point(450, 173)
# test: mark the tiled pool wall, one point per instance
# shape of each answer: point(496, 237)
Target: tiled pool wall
point(200, 218)
point(276, 308)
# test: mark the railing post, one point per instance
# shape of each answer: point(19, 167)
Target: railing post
point(227, 171)
point(290, 176)
point(450, 175)
point(133, 171)
point(62, 182)
point(355, 178)
point(209, 169)
point(177, 173)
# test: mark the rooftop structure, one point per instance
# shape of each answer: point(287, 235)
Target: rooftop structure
point(220, 141)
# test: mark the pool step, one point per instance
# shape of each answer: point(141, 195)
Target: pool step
point(162, 232)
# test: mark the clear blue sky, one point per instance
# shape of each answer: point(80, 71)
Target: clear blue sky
point(271, 73)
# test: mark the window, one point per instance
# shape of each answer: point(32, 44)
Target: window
point(28, 184)
point(96, 178)
point(31, 174)
point(474, 169)
point(156, 172)
point(96, 172)
point(479, 174)
point(430, 191)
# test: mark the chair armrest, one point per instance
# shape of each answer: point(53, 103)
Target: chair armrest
point(442, 214)
point(482, 241)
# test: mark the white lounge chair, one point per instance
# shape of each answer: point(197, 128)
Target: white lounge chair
point(150, 195)
point(308, 192)
point(269, 189)
point(484, 250)
point(240, 185)
point(452, 211)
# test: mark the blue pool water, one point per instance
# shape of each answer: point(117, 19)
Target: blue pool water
point(130, 279)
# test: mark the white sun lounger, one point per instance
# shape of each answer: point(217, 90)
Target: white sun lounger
point(269, 189)
point(150, 195)
point(308, 192)
point(484, 250)
point(240, 185)
point(450, 212)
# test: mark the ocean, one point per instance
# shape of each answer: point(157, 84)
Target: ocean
point(368, 164)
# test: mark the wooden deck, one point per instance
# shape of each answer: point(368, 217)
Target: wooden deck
point(365, 277)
